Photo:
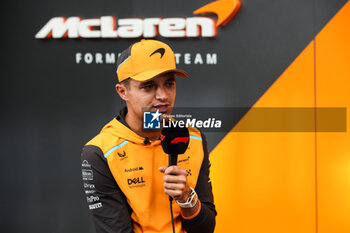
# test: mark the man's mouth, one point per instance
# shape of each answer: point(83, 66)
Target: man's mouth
point(161, 108)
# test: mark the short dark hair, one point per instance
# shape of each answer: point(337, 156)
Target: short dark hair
point(126, 83)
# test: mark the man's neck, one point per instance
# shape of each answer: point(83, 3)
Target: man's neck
point(136, 126)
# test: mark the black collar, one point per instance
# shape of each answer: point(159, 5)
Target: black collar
point(121, 116)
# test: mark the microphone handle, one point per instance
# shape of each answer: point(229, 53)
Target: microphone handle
point(172, 162)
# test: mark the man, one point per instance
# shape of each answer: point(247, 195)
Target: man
point(124, 170)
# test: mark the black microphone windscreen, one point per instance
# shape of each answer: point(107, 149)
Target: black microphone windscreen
point(175, 140)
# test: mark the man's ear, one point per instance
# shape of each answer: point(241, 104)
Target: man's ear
point(122, 91)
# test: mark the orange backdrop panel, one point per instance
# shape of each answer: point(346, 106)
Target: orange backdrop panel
point(333, 150)
point(292, 182)
point(265, 182)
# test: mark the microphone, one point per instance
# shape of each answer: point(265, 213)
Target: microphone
point(174, 141)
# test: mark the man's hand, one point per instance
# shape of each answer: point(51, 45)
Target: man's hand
point(175, 185)
point(175, 182)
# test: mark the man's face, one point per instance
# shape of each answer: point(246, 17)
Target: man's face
point(152, 95)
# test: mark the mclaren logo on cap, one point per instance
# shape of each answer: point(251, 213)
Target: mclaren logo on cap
point(160, 50)
point(174, 27)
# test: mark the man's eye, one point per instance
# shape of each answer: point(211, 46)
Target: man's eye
point(169, 84)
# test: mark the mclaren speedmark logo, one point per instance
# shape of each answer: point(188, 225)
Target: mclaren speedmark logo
point(161, 51)
point(110, 27)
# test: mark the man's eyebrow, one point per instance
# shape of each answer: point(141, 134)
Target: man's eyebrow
point(171, 79)
point(147, 83)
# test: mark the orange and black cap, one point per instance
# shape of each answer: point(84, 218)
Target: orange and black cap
point(146, 59)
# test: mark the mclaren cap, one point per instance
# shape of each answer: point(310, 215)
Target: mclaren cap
point(145, 60)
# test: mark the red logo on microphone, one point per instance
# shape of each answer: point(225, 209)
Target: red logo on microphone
point(162, 137)
point(180, 139)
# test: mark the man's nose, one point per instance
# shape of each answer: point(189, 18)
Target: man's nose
point(161, 93)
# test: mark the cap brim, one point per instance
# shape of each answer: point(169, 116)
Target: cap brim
point(144, 76)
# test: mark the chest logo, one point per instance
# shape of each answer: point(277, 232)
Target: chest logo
point(189, 172)
point(134, 169)
point(136, 182)
point(122, 155)
point(184, 160)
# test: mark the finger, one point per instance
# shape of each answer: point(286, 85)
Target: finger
point(175, 170)
point(163, 168)
point(175, 179)
point(175, 186)
point(176, 194)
